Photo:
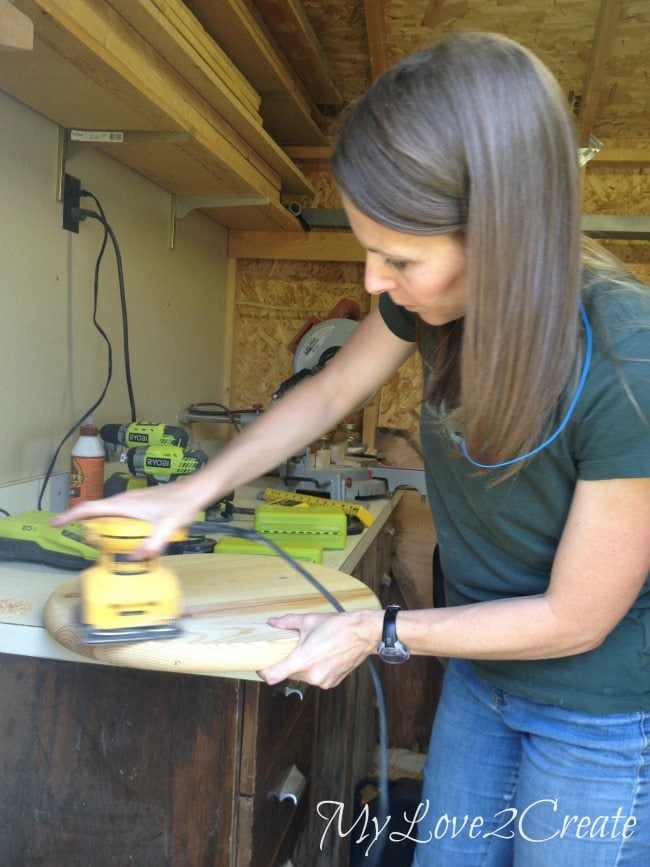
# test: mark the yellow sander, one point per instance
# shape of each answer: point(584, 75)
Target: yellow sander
point(123, 599)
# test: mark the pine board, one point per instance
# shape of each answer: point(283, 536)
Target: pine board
point(228, 600)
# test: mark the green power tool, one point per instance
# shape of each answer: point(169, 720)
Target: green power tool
point(138, 434)
point(164, 463)
point(28, 537)
point(156, 453)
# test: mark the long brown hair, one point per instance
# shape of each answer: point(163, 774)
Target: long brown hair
point(473, 136)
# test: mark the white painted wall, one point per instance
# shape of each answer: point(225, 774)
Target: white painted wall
point(52, 361)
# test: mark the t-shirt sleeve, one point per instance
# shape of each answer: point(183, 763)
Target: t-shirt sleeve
point(398, 319)
point(612, 436)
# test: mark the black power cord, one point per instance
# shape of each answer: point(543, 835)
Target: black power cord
point(82, 214)
point(374, 857)
point(207, 409)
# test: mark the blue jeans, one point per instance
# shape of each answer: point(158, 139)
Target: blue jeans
point(512, 782)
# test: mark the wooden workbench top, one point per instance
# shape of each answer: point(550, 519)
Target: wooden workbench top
point(25, 588)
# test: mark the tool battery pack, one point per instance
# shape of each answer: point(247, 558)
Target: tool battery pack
point(282, 524)
point(299, 549)
point(29, 538)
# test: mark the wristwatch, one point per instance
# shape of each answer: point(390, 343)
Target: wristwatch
point(391, 648)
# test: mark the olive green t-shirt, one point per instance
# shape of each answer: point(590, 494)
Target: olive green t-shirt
point(499, 541)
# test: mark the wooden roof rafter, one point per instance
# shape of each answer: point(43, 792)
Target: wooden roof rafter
point(292, 30)
point(431, 17)
point(592, 89)
point(375, 15)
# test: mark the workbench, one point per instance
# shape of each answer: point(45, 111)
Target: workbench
point(107, 765)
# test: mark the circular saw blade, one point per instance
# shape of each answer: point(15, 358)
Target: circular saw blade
point(330, 334)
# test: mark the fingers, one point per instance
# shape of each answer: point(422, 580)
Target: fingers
point(167, 508)
point(158, 541)
point(88, 509)
point(320, 658)
point(288, 621)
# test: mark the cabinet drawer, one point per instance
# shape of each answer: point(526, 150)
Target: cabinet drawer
point(271, 816)
point(271, 717)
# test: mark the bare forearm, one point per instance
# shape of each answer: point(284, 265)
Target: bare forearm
point(600, 567)
point(522, 628)
point(299, 418)
point(366, 361)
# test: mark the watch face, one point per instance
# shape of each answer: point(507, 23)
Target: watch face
point(397, 653)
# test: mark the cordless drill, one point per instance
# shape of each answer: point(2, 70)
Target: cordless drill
point(144, 434)
point(164, 463)
point(155, 453)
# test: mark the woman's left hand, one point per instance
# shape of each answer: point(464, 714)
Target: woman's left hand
point(329, 647)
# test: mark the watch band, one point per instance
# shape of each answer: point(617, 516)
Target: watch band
point(391, 648)
point(389, 633)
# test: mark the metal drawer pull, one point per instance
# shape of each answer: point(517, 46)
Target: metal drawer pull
point(292, 787)
point(293, 687)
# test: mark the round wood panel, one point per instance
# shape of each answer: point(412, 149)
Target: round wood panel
point(227, 601)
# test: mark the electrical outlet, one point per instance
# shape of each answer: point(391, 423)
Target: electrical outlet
point(71, 199)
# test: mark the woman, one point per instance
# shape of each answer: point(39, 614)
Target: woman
point(458, 171)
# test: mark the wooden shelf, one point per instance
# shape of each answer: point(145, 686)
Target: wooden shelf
point(91, 68)
point(327, 246)
point(290, 115)
point(292, 31)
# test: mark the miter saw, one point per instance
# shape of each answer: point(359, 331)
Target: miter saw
point(318, 341)
point(314, 345)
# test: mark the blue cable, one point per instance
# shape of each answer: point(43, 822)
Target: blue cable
point(569, 412)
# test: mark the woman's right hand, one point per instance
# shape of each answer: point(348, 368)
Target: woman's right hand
point(168, 507)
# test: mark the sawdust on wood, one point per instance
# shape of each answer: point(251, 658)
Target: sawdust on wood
point(14, 607)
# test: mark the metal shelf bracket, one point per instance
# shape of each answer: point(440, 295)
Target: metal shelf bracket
point(182, 205)
point(72, 141)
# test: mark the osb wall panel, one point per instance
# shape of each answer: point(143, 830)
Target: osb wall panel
point(625, 107)
point(559, 33)
point(341, 29)
point(617, 191)
point(326, 193)
point(611, 190)
point(272, 302)
point(401, 398)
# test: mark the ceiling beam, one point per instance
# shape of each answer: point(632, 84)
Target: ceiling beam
point(342, 246)
point(628, 158)
point(377, 36)
point(432, 13)
point(292, 30)
point(616, 157)
point(592, 88)
point(623, 226)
